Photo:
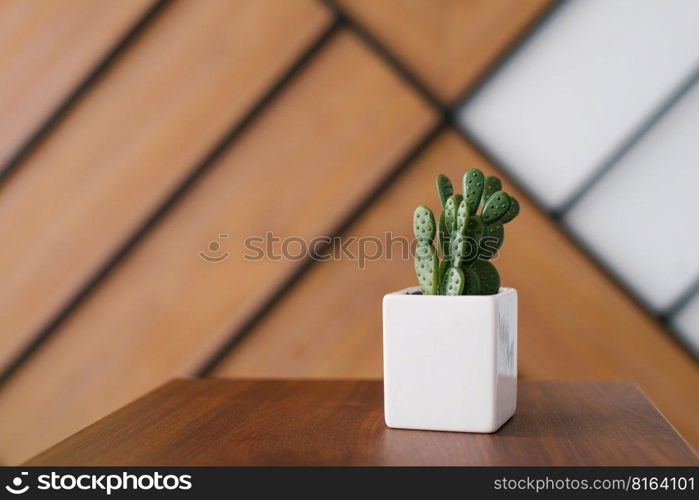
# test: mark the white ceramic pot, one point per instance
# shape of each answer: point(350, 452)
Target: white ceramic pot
point(450, 362)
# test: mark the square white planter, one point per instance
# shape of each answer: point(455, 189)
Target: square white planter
point(450, 362)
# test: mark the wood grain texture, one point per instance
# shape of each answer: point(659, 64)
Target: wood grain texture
point(573, 322)
point(448, 44)
point(317, 150)
point(223, 422)
point(46, 49)
point(130, 141)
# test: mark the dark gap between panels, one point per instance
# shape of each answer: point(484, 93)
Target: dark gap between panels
point(385, 55)
point(686, 296)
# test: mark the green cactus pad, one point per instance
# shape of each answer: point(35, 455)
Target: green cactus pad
point(497, 206)
point(444, 188)
point(492, 186)
point(425, 250)
point(443, 266)
point(492, 239)
point(473, 188)
point(443, 224)
point(426, 268)
point(462, 217)
point(488, 277)
point(450, 209)
point(474, 232)
point(453, 282)
point(423, 224)
point(457, 249)
point(475, 227)
point(443, 236)
point(471, 284)
point(512, 212)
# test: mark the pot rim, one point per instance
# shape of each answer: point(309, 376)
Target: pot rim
point(410, 292)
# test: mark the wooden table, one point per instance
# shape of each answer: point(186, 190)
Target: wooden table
point(243, 422)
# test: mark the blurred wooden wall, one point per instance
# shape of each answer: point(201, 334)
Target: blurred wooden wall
point(134, 133)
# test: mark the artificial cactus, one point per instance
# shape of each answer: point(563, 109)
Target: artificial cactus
point(450, 209)
point(458, 249)
point(471, 286)
point(443, 236)
point(488, 277)
point(462, 216)
point(453, 282)
point(423, 222)
point(466, 238)
point(444, 189)
point(492, 185)
point(512, 212)
point(493, 237)
point(496, 207)
point(475, 231)
point(473, 188)
point(475, 227)
point(427, 267)
point(443, 266)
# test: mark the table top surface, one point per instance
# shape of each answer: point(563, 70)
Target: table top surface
point(297, 422)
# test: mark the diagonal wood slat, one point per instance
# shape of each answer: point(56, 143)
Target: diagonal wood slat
point(447, 44)
point(131, 141)
point(46, 49)
point(317, 150)
point(574, 323)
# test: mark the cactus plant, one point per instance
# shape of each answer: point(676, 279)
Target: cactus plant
point(453, 281)
point(444, 188)
point(473, 188)
point(427, 268)
point(496, 207)
point(467, 239)
point(492, 185)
